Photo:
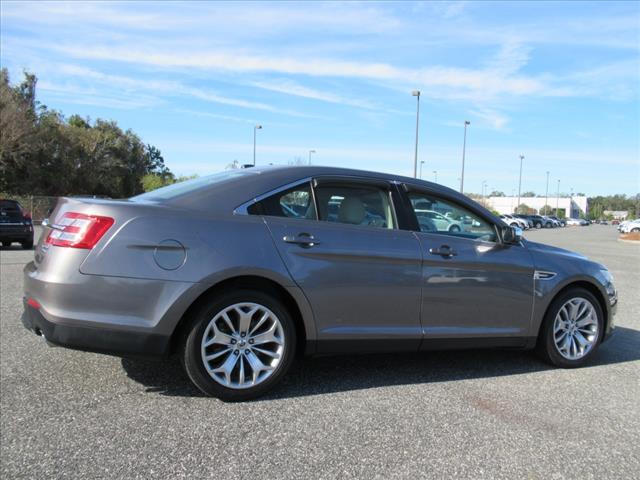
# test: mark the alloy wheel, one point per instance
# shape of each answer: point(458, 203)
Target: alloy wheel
point(242, 345)
point(575, 328)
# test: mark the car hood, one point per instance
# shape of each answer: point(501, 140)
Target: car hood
point(544, 249)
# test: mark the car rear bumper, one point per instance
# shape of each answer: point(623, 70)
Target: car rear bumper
point(16, 233)
point(114, 315)
point(111, 342)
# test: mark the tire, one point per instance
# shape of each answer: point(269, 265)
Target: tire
point(635, 230)
point(28, 245)
point(201, 328)
point(514, 224)
point(454, 229)
point(6, 244)
point(548, 225)
point(538, 225)
point(546, 344)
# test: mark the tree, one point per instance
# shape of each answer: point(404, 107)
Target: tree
point(496, 193)
point(546, 210)
point(528, 194)
point(524, 209)
point(42, 153)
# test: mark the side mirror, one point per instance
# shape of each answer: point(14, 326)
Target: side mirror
point(511, 235)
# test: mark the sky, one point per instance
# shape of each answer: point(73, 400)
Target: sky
point(556, 82)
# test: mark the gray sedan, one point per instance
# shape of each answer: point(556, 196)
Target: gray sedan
point(239, 271)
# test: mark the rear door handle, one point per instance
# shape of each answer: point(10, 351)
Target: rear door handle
point(444, 251)
point(303, 239)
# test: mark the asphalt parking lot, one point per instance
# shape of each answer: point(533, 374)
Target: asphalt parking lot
point(474, 414)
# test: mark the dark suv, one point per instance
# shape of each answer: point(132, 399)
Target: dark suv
point(15, 224)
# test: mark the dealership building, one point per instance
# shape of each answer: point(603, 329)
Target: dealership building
point(572, 206)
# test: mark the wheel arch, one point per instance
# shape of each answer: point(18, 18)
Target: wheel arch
point(586, 285)
point(304, 333)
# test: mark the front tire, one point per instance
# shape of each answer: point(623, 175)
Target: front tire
point(239, 345)
point(572, 329)
point(454, 229)
point(538, 225)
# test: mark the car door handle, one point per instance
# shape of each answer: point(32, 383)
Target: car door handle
point(303, 239)
point(444, 251)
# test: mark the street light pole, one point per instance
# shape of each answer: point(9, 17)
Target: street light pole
point(557, 197)
point(310, 152)
point(520, 182)
point(464, 148)
point(546, 194)
point(484, 185)
point(435, 176)
point(421, 164)
point(255, 129)
point(416, 93)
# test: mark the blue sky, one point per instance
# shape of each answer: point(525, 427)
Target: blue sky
point(557, 82)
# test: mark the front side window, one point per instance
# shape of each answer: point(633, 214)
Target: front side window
point(296, 202)
point(355, 204)
point(437, 215)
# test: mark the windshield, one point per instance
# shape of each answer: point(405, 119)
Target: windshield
point(188, 186)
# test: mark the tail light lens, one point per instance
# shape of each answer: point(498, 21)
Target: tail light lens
point(77, 230)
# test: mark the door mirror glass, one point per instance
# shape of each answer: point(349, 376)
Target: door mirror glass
point(511, 235)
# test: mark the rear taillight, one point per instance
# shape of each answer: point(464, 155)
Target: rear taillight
point(78, 230)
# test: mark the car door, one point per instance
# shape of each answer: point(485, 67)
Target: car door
point(476, 290)
point(359, 271)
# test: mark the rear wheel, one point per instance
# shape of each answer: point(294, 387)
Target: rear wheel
point(538, 225)
point(28, 245)
point(454, 228)
point(572, 329)
point(239, 345)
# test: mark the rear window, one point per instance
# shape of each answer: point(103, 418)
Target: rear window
point(183, 188)
point(10, 205)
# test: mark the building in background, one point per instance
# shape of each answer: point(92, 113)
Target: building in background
point(617, 214)
point(573, 207)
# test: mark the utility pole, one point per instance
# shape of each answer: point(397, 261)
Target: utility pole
point(557, 197)
point(416, 93)
point(546, 195)
point(310, 152)
point(520, 182)
point(464, 148)
point(255, 129)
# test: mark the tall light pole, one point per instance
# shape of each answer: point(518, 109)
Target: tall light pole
point(435, 176)
point(255, 129)
point(464, 148)
point(416, 93)
point(546, 195)
point(310, 152)
point(421, 164)
point(484, 185)
point(557, 197)
point(520, 182)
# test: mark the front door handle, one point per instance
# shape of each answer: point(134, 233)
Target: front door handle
point(444, 251)
point(303, 239)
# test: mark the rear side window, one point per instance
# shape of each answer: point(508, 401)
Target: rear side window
point(355, 205)
point(10, 205)
point(296, 202)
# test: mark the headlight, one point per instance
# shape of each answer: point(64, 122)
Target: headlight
point(608, 284)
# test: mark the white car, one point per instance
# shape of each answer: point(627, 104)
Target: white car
point(437, 221)
point(631, 226)
point(514, 221)
point(576, 222)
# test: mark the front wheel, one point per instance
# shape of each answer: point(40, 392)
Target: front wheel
point(239, 345)
point(538, 225)
point(454, 229)
point(572, 329)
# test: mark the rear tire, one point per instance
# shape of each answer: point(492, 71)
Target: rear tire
point(538, 225)
point(454, 229)
point(209, 322)
point(587, 327)
point(27, 245)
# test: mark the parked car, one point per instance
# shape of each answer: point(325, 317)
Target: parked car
point(550, 222)
point(631, 227)
point(622, 225)
point(525, 218)
point(540, 222)
point(218, 271)
point(431, 220)
point(561, 221)
point(15, 224)
point(515, 221)
point(615, 222)
point(576, 222)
